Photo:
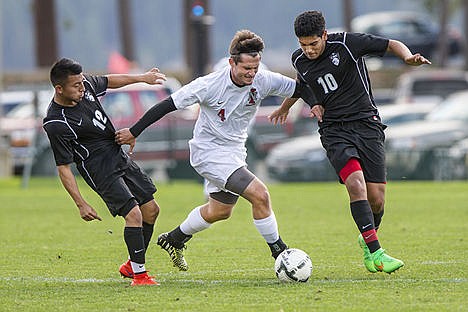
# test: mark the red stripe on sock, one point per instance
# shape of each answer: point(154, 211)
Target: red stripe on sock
point(369, 236)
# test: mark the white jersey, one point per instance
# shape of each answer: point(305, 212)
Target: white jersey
point(217, 148)
point(226, 109)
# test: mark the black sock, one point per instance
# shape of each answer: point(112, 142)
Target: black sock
point(133, 237)
point(147, 233)
point(277, 247)
point(178, 238)
point(364, 219)
point(378, 219)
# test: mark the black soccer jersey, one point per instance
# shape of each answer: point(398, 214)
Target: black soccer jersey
point(339, 77)
point(84, 134)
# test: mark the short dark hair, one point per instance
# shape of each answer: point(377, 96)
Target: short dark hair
point(62, 69)
point(309, 23)
point(245, 41)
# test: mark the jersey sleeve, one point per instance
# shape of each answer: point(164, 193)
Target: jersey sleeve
point(280, 85)
point(99, 84)
point(61, 140)
point(366, 44)
point(192, 93)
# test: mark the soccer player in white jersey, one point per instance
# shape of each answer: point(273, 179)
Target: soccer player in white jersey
point(229, 99)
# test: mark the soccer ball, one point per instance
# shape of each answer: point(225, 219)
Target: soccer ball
point(293, 265)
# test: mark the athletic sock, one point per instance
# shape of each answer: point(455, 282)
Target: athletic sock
point(378, 219)
point(178, 238)
point(277, 247)
point(268, 228)
point(133, 237)
point(364, 219)
point(137, 267)
point(194, 222)
point(147, 233)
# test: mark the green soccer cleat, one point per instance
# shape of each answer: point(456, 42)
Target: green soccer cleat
point(386, 263)
point(176, 254)
point(368, 260)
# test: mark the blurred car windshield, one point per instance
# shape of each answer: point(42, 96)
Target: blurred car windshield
point(454, 108)
point(441, 88)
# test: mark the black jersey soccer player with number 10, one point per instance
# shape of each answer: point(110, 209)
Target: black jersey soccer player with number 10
point(332, 66)
point(79, 131)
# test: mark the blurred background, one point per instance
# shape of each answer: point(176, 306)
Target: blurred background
point(426, 108)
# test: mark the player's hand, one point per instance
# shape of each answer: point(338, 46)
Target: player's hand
point(154, 76)
point(416, 60)
point(124, 136)
point(88, 213)
point(317, 112)
point(278, 116)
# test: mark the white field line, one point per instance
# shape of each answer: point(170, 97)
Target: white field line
point(170, 277)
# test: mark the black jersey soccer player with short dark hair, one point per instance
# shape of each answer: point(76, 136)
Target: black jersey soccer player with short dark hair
point(332, 66)
point(80, 132)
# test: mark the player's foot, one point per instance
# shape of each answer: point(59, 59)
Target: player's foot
point(386, 263)
point(143, 279)
point(176, 254)
point(126, 269)
point(368, 260)
point(277, 247)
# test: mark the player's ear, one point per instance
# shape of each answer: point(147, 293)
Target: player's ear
point(58, 89)
point(325, 35)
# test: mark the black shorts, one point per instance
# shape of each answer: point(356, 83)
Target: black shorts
point(362, 139)
point(124, 189)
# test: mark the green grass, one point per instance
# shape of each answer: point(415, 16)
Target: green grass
point(52, 260)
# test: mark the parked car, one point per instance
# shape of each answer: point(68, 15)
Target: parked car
point(22, 124)
point(413, 149)
point(304, 159)
point(429, 85)
point(418, 31)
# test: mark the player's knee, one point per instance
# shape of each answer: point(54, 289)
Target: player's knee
point(349, 168)
point(377, 204)
point(150, 211)
point(134, 217)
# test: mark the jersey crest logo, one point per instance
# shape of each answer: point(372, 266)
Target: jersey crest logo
point(252, 97)
point(89, 96)
point(335, 58)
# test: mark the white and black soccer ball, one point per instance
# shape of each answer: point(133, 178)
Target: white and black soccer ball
point(293, 265)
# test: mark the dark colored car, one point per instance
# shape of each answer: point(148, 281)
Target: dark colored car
point(418, 31)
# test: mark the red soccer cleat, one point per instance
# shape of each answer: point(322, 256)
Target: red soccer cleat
point(143, 279)
point(126, 269)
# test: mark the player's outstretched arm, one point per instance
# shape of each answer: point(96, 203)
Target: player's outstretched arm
point(402, 51)
point(152, 77)
point(281, 114)
point(128, 135)
point(87, 212)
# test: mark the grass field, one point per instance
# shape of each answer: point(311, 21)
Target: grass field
point(54, 261)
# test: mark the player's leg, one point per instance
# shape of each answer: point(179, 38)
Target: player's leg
point(373, 166)
point(120, 201)
point(376, 198)
point(219, 207)
point(143, 188)
point(245, 183)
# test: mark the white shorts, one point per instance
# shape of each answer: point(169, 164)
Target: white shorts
point(216, 163)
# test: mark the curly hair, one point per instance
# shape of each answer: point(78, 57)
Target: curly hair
point(309, 23)
point(245, 41)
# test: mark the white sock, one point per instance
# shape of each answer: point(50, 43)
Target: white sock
point(194, 222)
point(268, 228)
point(137, 267)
